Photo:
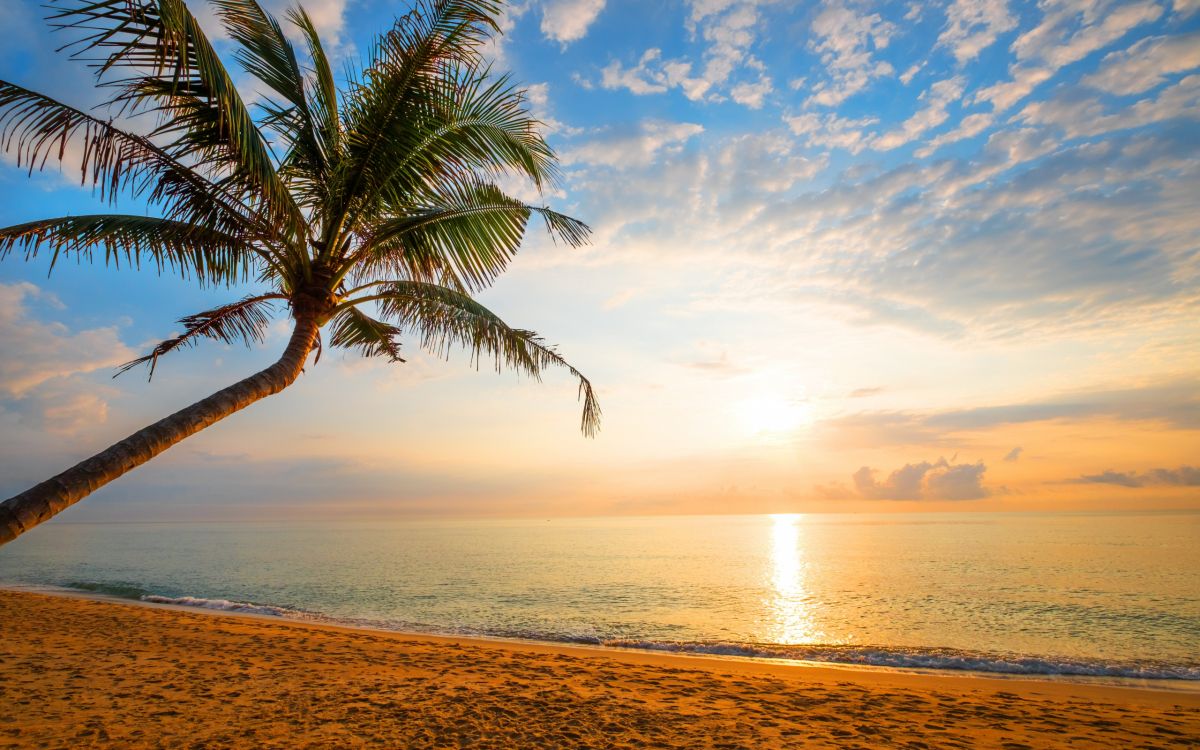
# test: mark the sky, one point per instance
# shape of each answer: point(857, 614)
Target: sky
point(846, 257)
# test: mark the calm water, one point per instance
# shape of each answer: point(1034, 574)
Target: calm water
point(1115, 595)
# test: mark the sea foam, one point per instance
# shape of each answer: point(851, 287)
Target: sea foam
point(220, 604)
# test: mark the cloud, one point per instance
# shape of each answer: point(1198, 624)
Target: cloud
point(653, 75)
point(762, 163)
point(36, 351)
point(632, 149)
point(1184, 476)
point(973, 25)
point(937, 98)
point(1067, 33)
point(865, 392)
point(846, 41)
point(968, 127)
point(924, 481)
point(1079, 115)
point(41, 373)
point(567, 21)
point(1146, 64)
point(1175, 404)
point(831, 131)
point(539, 107)
point(728, 29)
point(752, 94)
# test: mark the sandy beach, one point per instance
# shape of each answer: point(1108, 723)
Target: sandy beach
point(85, 673)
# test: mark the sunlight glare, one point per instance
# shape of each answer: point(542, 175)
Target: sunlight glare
point(794, 622)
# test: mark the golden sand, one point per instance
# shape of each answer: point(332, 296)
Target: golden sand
point(78, 673)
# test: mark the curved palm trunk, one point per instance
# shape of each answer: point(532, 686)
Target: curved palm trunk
point(22, 512)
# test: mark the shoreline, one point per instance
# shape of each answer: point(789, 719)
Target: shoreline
point(1167, 685)
point(78, 671)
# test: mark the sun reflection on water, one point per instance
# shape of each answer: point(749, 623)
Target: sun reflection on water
point(791, 603)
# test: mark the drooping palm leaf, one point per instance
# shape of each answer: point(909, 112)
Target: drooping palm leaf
point(37, 129)
point(443, 319)
point(187, 249)
point(245, 321)
point(353, 329)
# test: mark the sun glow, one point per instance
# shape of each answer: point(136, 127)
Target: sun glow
point(770, 414)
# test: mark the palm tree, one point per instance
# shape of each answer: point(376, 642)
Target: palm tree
point(374, 213)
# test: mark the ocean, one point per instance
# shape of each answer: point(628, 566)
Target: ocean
point(1112, 596)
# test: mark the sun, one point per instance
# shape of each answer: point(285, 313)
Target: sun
point(771, 414)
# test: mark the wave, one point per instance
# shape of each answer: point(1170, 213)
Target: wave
point(131, 591)
point(224, 605)
point(893, 657)
point(924, 658)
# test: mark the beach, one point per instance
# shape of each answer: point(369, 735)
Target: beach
point(77, 672)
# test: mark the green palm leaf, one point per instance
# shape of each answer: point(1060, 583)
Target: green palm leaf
point(37, 128)
point(353, 329)
point(474, 230)
point(176, 74)
point(213, 257)
point(245, 320)
point(444, 319)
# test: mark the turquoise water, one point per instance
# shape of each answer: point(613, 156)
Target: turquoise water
point(1112, 595)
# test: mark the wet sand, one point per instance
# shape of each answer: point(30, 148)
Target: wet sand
point(80, 673)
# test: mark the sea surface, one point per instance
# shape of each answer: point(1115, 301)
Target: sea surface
point(1114, 596)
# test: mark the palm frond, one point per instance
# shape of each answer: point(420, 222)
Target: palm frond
point(353, 329)
point(385, 106)
point(245, 320)
point(266, 53)
point(475, 229)
point(186, 249)
point(36, 129)
point(443, 319)
point(175, 73)
point(323, 96)
point(474, 126)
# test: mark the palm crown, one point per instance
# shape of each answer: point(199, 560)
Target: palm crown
point(372, 209)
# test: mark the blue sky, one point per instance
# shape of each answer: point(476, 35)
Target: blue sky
point(847, 256)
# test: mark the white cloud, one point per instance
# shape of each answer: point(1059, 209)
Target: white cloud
point(36, 351)
point(539, 107)
point(1004, 94)
point(974, 25)
point(968, 127)
point(639, 148)
point(653, 75)
point(1080, 116)
point(752, 94)
point(567, 21)
point(831, 131)
point(1067, 33)
point(762, 163)
point(937, 98)
point(845, 41)
point(41, 372)
point(1146, 64)
point(728, 28)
